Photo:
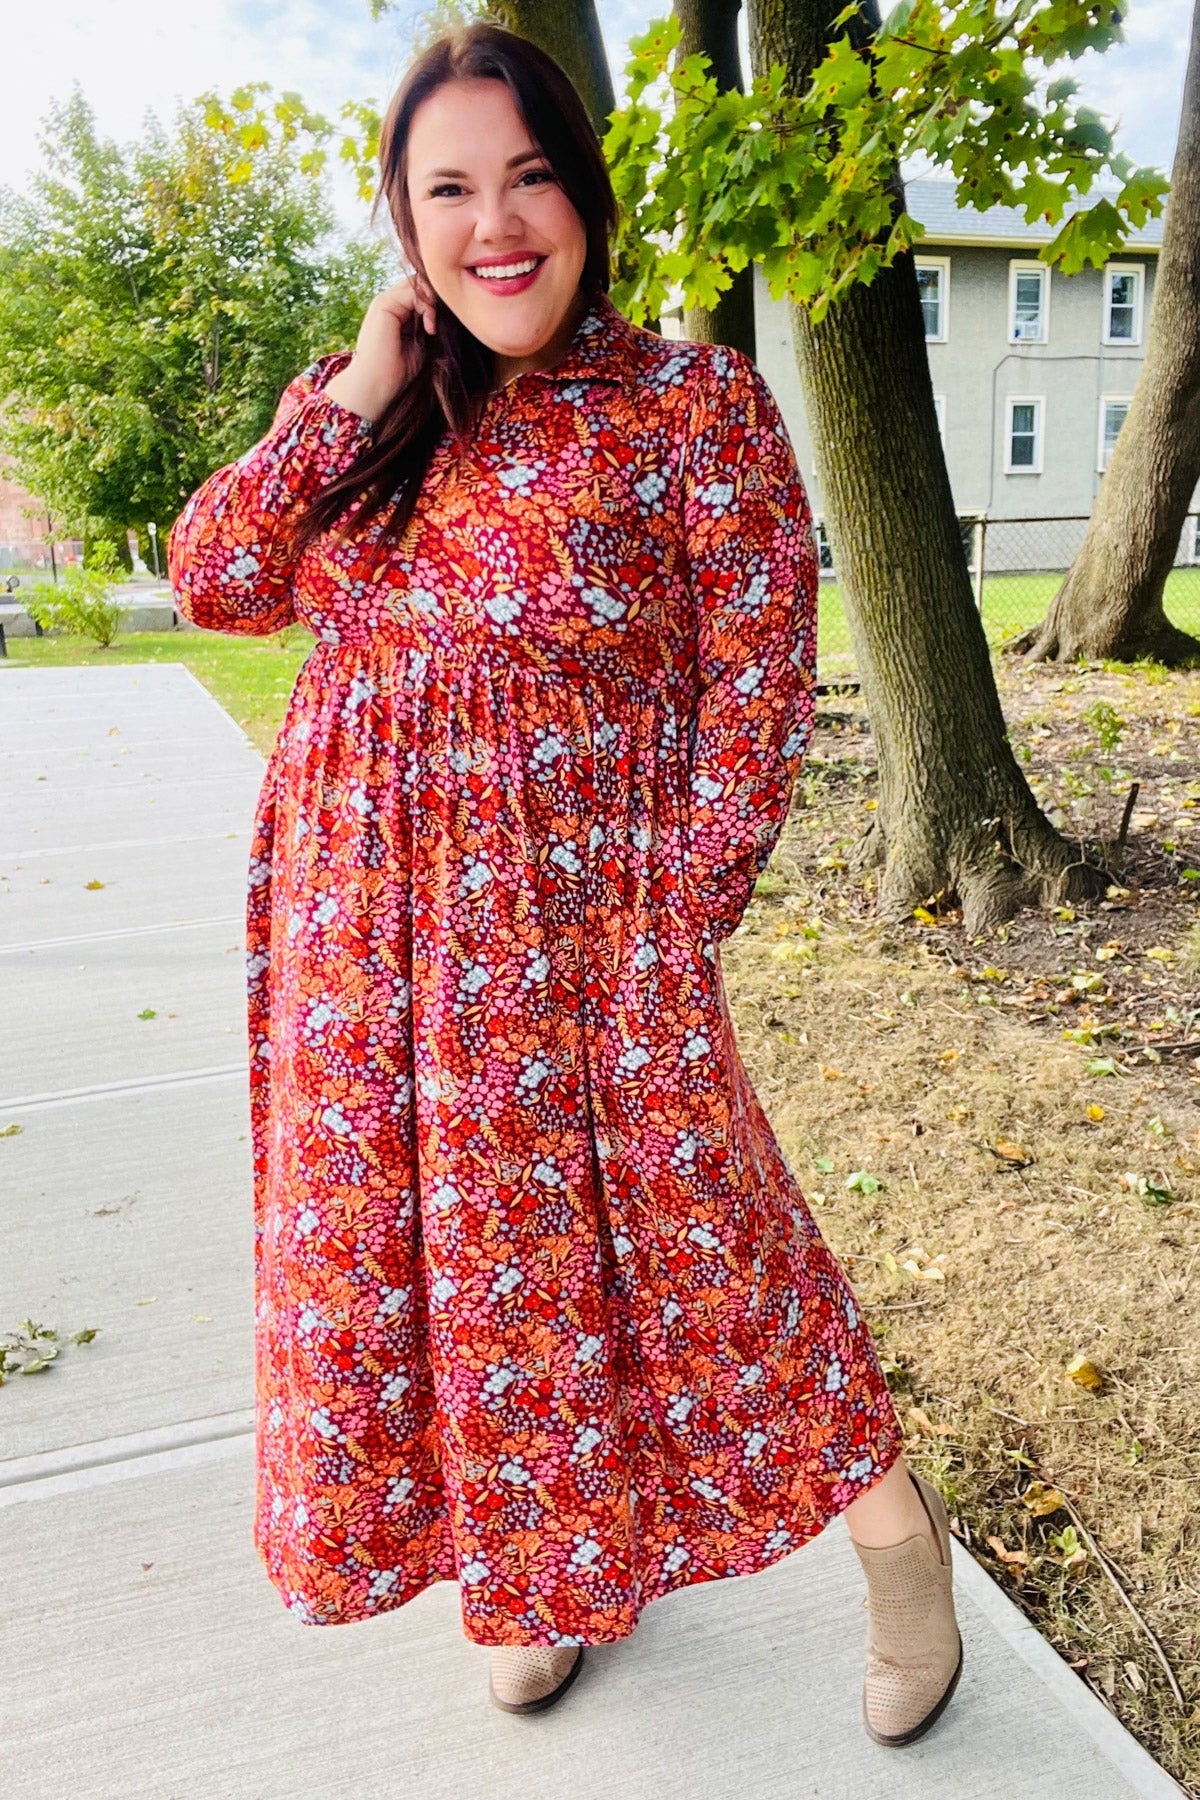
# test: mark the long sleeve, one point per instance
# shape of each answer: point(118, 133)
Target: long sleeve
point(223, 561)
point(754, 576)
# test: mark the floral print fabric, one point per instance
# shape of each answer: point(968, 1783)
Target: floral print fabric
point(540, 1307)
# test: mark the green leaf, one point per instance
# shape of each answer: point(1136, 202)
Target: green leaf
point(863, 1183)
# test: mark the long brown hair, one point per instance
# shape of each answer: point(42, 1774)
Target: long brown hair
point(454, 371)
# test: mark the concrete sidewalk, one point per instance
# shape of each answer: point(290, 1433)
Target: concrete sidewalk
point(146, 1653)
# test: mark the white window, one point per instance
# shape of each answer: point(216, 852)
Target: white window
point(1123, 303)
point(939, 402)
point(1023, 435)
point(933, 285)
point(1113, 408)
point(1028, 303)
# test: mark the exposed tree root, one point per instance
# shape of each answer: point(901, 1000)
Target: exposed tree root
point(991, 874)
point(1165, 644)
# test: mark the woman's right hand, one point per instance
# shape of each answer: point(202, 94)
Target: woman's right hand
point(387, 353)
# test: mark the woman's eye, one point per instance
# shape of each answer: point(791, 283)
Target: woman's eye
point(453, 187)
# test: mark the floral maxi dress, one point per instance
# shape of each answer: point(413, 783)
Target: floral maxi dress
point(540, 1307)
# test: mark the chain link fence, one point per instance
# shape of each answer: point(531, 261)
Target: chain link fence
point(1017, 567)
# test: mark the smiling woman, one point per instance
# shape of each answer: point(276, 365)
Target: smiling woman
point(501, 242)
point(541, 1307)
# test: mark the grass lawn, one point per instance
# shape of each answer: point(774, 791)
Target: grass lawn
point(1001, 1140)
point(1011, 603)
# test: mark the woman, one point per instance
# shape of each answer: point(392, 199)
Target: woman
point(540, 1306)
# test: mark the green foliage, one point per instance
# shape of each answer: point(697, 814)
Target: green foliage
point(81, 603)
point(155, 299)
point(802, 183)
point(1106, 722)
point(31, 1347)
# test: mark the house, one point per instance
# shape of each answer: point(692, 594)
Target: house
point(1032, 370)
point(23, 526)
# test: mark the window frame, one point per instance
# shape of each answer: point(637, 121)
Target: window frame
point(942, 335)
point(1122, 268)
point(1037, 466)
point(1107, 400)
point(1024, 265)
point(939, 406)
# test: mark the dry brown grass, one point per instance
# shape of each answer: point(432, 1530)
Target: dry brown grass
point(1061, 1206)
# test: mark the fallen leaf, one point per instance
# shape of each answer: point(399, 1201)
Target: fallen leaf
point(1015, 1558)
point(925, 1425)
point(1085, 1373)
point(1041, 1500)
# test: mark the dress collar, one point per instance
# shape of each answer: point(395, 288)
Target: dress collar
point(603, 348)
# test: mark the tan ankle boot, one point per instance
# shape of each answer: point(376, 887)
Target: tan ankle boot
point(528, 1677)
point(914, 1651)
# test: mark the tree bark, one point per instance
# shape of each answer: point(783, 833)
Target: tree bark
point(710, 27)
point(569, 31)
point(1111, 603)
point(956, 820)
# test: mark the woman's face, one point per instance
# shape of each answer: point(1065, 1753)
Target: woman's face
point(483, 196)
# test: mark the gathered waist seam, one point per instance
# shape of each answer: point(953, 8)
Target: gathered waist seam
point(413, 663)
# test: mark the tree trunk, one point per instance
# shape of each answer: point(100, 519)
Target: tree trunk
point(1111, 603)
point(710, 27)
point(569, 31)
point(956, 820)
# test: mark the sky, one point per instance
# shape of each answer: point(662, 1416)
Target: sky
point(132, 54)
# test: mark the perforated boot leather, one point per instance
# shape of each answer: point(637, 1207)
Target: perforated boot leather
point(914, 1650)
point(530, 1677)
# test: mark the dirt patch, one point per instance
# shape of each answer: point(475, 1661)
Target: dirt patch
point(1001, 1140)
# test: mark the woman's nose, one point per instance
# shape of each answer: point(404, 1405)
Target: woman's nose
point(497, 217)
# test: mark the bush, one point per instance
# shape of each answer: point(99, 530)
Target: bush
point(80, 603)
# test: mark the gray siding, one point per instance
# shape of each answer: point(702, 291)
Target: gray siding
point(977, 370)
